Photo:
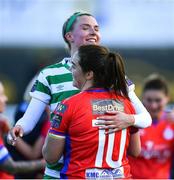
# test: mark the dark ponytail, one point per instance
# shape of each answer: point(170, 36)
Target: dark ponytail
point(115, 73)
point(108, 68)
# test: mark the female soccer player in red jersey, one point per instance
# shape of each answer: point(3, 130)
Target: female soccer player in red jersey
point(88, 151)
point(157, 141)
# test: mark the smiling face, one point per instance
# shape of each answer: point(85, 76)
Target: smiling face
point(155, 102)
point(85, 32)
point(3, 98)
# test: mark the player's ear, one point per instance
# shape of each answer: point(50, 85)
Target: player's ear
point(89, 75)
point(69, 36)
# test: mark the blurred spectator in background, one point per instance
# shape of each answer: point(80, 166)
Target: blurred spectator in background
point(157, 141)
point(29, 147)
point(7, 164)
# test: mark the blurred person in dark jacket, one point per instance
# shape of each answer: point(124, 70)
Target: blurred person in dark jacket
point(29, 147)
point(8, 166)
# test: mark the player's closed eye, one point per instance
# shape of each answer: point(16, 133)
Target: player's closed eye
point(85, 27)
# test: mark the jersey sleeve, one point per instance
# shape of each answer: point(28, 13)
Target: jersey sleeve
point(60, 121)
point(130, 85)
point(41, 88)
point(142, 116)
point(4, 154)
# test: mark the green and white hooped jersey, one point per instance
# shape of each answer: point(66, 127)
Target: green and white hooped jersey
point(54, 84)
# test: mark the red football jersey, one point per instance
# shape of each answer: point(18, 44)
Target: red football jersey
point(157, 144)
point(89, 153)
point(3, 157)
